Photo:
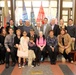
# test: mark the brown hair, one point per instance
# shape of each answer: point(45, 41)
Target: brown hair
point(63, 30)
point(31, 38)
point(18, 30)
point(2, 32)
point(31, 29)
point(11, 28)
point(51, 31)
point(70, 19)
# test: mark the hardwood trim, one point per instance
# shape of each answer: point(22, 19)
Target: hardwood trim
point(74, 12)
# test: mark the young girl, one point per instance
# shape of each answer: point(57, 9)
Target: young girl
point(23, 49)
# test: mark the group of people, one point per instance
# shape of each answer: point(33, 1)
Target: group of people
point(30, 43)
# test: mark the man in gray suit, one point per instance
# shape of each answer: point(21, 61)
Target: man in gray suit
point(46, 28)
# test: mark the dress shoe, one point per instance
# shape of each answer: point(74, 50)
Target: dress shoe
point(51, 62)
point(13, 64)
point(0, 62)
point(7, 66)
point(19, 65)
point(54, 63)
point(38, 64)
point(34, 63)
point(23, 65)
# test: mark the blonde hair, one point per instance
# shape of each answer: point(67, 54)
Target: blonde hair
point(18, 30)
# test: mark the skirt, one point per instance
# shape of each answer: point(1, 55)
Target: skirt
point(22, 54)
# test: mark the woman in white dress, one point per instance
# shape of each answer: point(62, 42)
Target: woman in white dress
point(23, 49)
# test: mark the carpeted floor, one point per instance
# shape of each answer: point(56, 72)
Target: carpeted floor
point(38, 70)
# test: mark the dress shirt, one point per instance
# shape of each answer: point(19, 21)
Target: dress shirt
point(38, 28)
point(52, 26)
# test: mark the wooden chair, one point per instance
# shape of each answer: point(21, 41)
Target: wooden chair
point(73, 52)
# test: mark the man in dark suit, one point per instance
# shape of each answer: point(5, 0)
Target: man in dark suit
point(11, 26)
point(55, 27)
point(46, 27)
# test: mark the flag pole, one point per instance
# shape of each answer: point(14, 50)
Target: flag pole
point(24, 15)
point(23, 2)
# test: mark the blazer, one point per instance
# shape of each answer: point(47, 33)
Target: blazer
point(35, 36)
point(67, 42)
point(56, 30)
point(36, 30)
point(48, 28)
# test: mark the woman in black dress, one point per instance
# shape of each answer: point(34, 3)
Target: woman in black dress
point(2, 48)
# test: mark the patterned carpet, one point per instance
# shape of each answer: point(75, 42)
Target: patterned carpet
point(7, 71)
point(44, 69)
point(66, 69)
point(39, 70)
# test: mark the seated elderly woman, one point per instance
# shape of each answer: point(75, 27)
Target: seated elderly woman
point(64, 42)
point(52, 47)
point(41, 43)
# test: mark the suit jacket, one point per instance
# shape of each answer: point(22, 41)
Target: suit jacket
point(35, 36)
point(36, 30)
point(7, 29)
point(48, 28)
point(56, 30)
point(67, 42)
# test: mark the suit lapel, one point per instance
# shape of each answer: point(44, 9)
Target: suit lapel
point(54, 27)
point(46, 28)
